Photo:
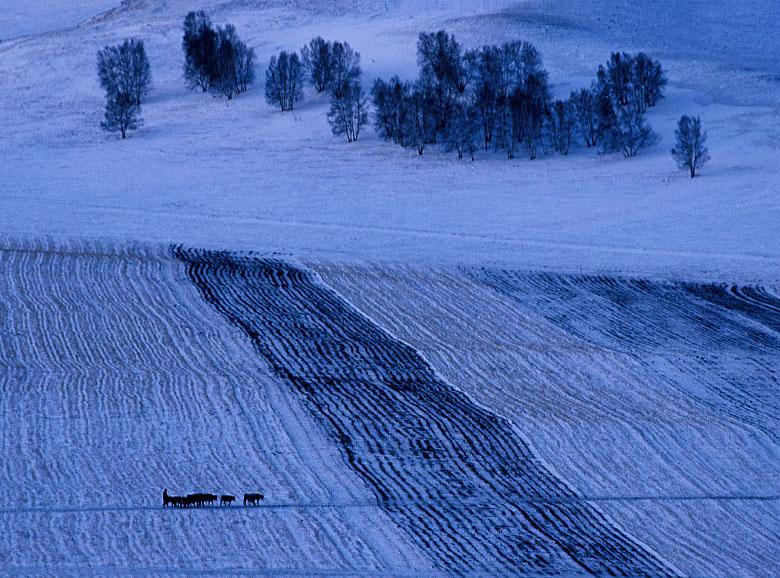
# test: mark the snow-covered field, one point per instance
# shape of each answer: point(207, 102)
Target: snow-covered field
point(657, 400)
point(430, 366)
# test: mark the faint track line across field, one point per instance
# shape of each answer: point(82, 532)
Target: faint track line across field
point(390, 503)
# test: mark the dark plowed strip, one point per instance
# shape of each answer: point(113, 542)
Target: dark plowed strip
point(456, 477)
point(683, 323)
point(640, 314)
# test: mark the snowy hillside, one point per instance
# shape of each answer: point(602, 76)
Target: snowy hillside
point(240, 174)
point(429, 367)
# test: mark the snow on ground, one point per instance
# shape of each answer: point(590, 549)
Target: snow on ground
point(656, 402)
point(117, 380)
point(239, 174)
point(39, 16)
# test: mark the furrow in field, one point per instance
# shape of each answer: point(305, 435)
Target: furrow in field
point(116, 381)
point(627, 397)
point(457, 477)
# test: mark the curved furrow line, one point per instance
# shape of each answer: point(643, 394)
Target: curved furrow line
point(325, 350)
point(753, 302)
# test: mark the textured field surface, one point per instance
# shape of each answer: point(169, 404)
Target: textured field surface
point(117, 380)
point(656, 400)
point(401, 421)
point(457, 477)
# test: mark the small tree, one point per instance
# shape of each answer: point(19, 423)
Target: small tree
point(689, 151)
point(421, 115)
point(586, 114)
point(348, 112)
point(121, 114)
point(283, 79)
point(124, 69)
point(224, 78)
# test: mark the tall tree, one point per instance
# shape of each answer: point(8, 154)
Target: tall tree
point(618, 77)
point(348, 112)
point(345, 68)
point(441, 63)
point(200, 50)
point(244, 65)
point(689, 149)
point(560, 122)
point(391, 109)
point(317, 58)
point(283, 79)
point(421, 118)
point(586, 114)
point(224, 79)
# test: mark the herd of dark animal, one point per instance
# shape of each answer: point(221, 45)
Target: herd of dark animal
point(200, 500)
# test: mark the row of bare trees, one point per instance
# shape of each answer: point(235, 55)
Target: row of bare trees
point(327, 66)
point(495, 97)
point(498, 97)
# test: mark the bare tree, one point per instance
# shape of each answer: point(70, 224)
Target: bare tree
point(317, 59)
point(224, 79)
point(648, 80)
point(391, 108)
point(617, 77)
point(283, 79)
point(244, 65)
point(124, 69)
point(443, 66)
point(586, 114)
point(560, 122)
point(234, 65)
point(462, 130)
point(689, 151)
point(200, 50)
point(348, 112)
point(345, 67)
point(421, 117)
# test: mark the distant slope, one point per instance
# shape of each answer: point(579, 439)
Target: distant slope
point(242, 175)
point(38, 16)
